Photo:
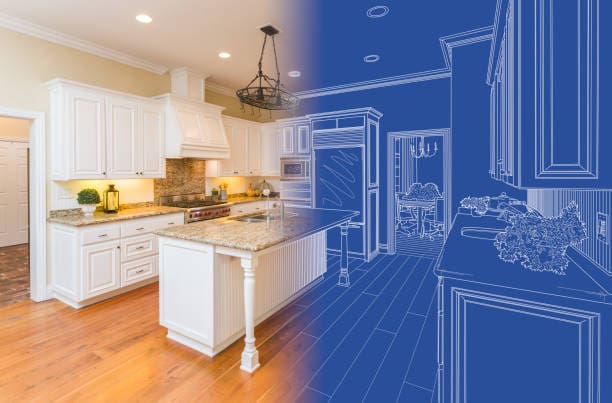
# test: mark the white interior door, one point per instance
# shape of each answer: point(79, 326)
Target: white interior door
point(14, 221)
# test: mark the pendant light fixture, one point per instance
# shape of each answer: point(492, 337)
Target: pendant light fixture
point(265, 92)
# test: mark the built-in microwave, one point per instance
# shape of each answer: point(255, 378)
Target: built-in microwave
point(295, 169)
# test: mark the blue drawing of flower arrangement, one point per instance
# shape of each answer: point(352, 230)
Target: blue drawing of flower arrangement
point(540, 243)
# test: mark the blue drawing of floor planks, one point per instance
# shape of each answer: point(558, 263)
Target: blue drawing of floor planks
point(352, 356)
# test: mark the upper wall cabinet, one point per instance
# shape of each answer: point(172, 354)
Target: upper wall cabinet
point(101, 134)
point(295, 137)
point(544, 78)
point(254, 150)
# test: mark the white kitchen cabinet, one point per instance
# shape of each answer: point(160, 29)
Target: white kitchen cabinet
point(82, 121)
point(124, 137)
point(151, 148)
point(270, 150)
point(96, 262)
point(102, 134)
point(246, 141)
point(296, 137)
point(101, 268)
point(288, 141)
point(254, 151)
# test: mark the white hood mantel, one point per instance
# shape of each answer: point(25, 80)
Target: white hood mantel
point(193, 127)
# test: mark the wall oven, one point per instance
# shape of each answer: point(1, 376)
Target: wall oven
point(295, 169)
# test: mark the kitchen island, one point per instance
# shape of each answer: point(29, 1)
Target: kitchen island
point(208, 293)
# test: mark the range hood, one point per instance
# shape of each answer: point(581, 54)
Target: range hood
point(194, 128)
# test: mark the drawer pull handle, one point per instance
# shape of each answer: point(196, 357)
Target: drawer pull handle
point(102, 235)
point(170, 223)
point(139, 229)
point(140, 247)
point(139, 271)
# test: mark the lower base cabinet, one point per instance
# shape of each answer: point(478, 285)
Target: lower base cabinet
point(500, 344)
point(95, 262)
point(101, 268)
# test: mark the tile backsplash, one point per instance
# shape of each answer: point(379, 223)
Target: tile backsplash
point(183, 176)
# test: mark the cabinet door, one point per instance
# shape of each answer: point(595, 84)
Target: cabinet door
point(561, 345)
point(239, 150)
point(226, 167)
point(566, 95)
point(86, 124)
point(123, 138)
point(254, 150)
point(288, 143)
point(100, 268)
point(152, 142)
point(303, 139)
point(270, 151)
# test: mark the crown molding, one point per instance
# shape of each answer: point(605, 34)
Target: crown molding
point(220, 89)
point(463, 38)
point(60, 38)
point(378, 83)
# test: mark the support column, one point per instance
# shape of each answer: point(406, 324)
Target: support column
point(250, 355)
point(343, 279)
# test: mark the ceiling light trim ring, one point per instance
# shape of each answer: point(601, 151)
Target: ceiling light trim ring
point(377, 11)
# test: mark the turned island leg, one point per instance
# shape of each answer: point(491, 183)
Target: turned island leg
point(343, 279)
point(250, 355)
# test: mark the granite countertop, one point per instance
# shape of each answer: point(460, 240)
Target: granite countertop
point(477, 260)
point(79, 220)
point(256, 236)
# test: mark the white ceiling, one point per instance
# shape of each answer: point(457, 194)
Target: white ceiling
point(183, 32)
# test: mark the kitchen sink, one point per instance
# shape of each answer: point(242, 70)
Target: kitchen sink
point(487, 234)
point(262, 217)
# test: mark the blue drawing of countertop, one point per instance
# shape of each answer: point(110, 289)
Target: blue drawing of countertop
point(475, 258)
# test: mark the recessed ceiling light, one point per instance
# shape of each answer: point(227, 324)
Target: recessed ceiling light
point(371, 58)
point(144, 18)
point(377, 11)
point(294, 73)
point(224, 55)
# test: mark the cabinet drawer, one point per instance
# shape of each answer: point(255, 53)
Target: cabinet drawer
point(139, 226)
point(138, 246)
point(170, 220)
point(138, 270)
point(100, 233)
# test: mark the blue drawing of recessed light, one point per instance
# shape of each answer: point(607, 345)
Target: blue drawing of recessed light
point(377, 11)
point(371, 58)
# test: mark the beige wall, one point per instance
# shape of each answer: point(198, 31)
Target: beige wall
point(14, 128)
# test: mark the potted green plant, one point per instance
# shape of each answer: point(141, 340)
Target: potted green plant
point(88, 198)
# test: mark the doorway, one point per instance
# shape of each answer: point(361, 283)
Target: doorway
point(14, 210)
point(418, 191)
point(28, 155)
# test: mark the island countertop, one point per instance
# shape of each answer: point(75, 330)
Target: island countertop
point(256, 236)
point(477, 260)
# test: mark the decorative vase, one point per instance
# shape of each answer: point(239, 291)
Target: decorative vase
point(88, 209)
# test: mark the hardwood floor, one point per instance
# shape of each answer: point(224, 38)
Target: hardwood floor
point(333, 343)
point(14, 274)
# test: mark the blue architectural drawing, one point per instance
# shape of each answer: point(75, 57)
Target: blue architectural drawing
point(491, 147)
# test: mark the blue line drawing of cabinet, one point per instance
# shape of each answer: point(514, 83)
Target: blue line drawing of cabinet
point(345, 172)
point(545, 87)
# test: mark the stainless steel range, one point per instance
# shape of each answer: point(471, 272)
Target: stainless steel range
point(198, 207)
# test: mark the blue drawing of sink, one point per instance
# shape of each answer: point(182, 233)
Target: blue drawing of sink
point(487, 234)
